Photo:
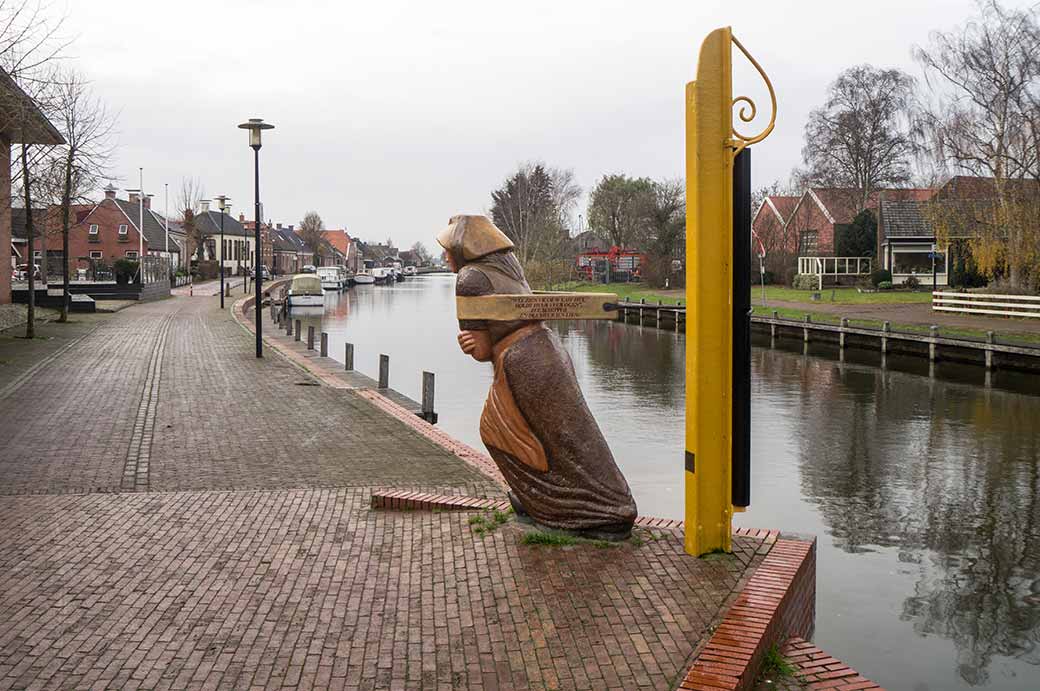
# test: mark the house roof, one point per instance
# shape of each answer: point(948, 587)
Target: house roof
point(18, 222)
point(782, 206)
point(840, 205)
point(209, 223)
point(20, 119)
point(154, 230)
point(338, 238)
point(913, 219)
point(284, 241)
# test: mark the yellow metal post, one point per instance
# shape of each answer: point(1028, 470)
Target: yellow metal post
point(711, 144)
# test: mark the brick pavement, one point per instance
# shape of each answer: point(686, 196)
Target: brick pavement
point(246, 554)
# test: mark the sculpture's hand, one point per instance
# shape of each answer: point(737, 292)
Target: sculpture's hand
point(476, 344)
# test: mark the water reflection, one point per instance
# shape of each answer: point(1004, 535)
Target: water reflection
point(923, 490)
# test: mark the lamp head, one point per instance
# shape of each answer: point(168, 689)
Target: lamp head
point(255, 127)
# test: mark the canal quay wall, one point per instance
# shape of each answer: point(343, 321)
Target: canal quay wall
point(990, 353)
point(773, 604)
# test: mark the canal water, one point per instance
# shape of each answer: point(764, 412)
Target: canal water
point(922, 490)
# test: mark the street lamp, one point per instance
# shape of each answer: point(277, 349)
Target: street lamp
point(255, 127)
point(222, 204)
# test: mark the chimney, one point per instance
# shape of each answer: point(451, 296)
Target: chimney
point(134, 198)
point(278, 226)
point(241, 218)
point(291, 227)
point(148, 201)
point(110, 192)
point(204, 206)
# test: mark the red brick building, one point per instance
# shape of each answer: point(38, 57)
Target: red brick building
point(109, 231)
point(770, 228)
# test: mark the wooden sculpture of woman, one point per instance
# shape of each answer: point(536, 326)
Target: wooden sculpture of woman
point(535, 423)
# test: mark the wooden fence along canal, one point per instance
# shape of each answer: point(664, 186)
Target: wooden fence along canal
point(934, 345)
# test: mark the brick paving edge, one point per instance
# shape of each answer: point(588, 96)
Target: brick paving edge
point(820, 670)
point(480, 462)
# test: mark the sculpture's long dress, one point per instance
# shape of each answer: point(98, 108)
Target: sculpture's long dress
point(536, 424)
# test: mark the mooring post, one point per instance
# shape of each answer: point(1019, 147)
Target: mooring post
point(324, 344)
point(772, 326)
point(274, 314)
point(933, 333)
point(310, 337)
point(384, 371)
point(642, 308)
point(427, 397)
point(288, 325)
point(299, 330)
point(227, 290)
point(348, 356)
point(841, 334)
point(805, 329)
point(990, 340)
point(885, 328)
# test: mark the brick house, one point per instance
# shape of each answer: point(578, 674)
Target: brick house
point(108, 231)
point(20, 122)
point(266, 241)
point(770, 228)
point(285, 250)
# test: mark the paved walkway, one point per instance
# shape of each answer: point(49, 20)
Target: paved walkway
point(175, 513)
point(210, 288)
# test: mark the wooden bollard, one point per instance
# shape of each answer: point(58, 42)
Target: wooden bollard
point(310, 337)
point(384, 371)
point(298, 330)
point(772, 325)
point(348, 357)
point(227, 290)
point(288, 325)
point(324, 344)
point(841, 334)
point(428, 413)
point(990, 340)
point(642, 303)
point(933, 333)
point(885, 328)
point(805, 329)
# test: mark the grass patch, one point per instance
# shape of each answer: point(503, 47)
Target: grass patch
point(553, 539)
point(846, 296)
point(776, 665)
point(633, 291)
point(488, 522)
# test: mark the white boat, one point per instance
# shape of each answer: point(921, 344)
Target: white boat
point(383, 274)
point(364, 278)
point(305, 291)
point(410, 271)
point(332, 277)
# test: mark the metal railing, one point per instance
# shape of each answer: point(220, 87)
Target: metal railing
point(980, 303)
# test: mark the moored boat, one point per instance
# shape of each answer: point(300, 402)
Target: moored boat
point(364, 278)
point(305, 291)
point(332, 277)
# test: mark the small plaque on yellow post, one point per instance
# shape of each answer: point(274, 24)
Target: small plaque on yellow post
point(538, 306)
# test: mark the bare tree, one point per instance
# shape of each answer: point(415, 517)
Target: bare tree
point(860, 138)
point(618, 209)
point(985, 121)
point(310, 231)
point(80, 165)
point(189, 200)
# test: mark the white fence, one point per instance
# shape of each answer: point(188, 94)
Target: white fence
point(835, 266)
point(979, 303)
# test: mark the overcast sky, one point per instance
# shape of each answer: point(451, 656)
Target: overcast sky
point(392, 116)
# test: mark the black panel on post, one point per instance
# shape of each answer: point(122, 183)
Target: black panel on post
point(741, 432)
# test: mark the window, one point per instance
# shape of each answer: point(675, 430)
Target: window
point(808, 242)
point(131, 254)
point(94, 254)
point(122, 229)
point(917, 263)
point(37, 254)
point(93, 230)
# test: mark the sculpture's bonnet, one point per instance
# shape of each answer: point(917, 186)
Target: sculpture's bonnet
point(472, 237)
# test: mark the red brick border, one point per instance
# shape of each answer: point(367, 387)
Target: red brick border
point(821, 671)
point(778, 600)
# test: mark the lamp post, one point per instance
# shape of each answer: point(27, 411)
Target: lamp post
point(255, 127)
point(222, 204)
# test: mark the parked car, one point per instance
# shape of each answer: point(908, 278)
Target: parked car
point(21, 272)
point(265, 274)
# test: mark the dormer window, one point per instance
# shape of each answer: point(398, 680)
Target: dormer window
point(122, 229)
point(93, 230)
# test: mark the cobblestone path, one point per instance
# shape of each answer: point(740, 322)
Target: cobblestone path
point(175, 513)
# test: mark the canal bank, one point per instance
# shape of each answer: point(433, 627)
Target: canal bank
point(773, 599)
point(901, 475)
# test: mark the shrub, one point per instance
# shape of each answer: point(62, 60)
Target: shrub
point(124, 269)
point(885, 285)
point(912, 283)
point(879, 276)
point(806, 282)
